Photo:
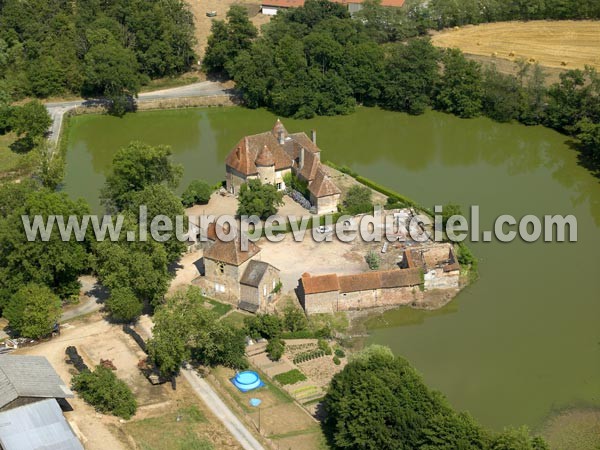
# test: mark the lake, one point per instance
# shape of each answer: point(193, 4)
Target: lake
point(520, 343)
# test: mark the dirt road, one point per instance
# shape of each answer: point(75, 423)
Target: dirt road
point(219, 409)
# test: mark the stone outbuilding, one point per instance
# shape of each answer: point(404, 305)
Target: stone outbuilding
point(438, 262)
point(238, 276)
point(331, 293)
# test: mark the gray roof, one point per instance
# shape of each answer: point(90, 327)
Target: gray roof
point(254, 273)
point(37, 426)
point(29, 376)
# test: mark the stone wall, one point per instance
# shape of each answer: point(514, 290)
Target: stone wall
point(325, 302)
point(326, 205)
point(438, 279)
point(221, 281)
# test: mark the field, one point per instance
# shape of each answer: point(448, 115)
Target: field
point(557, 45)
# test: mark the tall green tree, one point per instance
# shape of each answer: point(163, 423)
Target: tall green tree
point(412, 72)
point(54, 262)
point(136, 167)
point(33, 311)
point(460, 91)
point(228, 39)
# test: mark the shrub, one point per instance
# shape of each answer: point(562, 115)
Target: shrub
point(277, 288)
point(267, 326)
point(198, 192)
point(336, 361)
point(294, 319)
point(103, 390)
point(324, 345)
point(339, 353)
point(33, 311)
point(275, 349)
point(292, 377)
point(373, 260)
point(358, 200)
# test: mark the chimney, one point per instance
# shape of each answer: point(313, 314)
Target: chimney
point(301, 159)
point(314, 136)
point(280, 137)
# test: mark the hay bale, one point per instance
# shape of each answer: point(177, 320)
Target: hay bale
point(511, 54)
point(563, 63)
point(531, 60)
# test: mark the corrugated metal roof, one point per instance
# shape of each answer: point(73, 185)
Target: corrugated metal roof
point(29, 376)
point(37, 426)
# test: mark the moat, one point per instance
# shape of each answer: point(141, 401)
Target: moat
point(521, 342)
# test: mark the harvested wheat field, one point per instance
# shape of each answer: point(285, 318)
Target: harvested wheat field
point(557, 44)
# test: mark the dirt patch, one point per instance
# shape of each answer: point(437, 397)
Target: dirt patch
point(203, 23)
point(95, 339)
point(555, 44)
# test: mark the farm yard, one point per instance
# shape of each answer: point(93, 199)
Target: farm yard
point(553, 44)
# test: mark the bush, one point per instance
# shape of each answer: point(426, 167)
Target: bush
point(275, 349)
point(339, 353)
point(198, 192)
point(292, 377)
point(294, 319)
point(123, 305)
point(336, 361)
point(324, 345)
point(103, 390)
point(33, 311)
point(358, 200)
point(267, 326)
point(373, 260)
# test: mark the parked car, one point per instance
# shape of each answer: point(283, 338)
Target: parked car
point(211, 14)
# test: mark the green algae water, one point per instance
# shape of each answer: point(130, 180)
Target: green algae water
point(520, 343)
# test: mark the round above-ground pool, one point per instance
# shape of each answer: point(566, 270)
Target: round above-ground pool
point(247, 380)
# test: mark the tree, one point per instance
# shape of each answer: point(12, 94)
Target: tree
point(184, 328)
point(275, 349)
point(103, 390)
point(138, 265)
point(227, 40)
point(31, 120)
point(197, 192)
point(294, 319)
point(112, 71)
point(358, 200)
point(52, 262)
point(136, 167)
point(412, 72)
point(502, 96)
point(588, 134)
point(159, 200)
point(460, 90)
point(380, 402)
point(33, 311)
point(123, 305)
point(259, 199)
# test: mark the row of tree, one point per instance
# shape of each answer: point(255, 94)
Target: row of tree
point(317, 60)
point(379, 402)
point(91, 47)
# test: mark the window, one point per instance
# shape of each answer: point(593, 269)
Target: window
point(278, 186)
point(219, 287)
point(274, 284)
point(221, 267)
point(265, 290)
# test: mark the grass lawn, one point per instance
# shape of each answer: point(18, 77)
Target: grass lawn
point(235, 319)
point(166, 432)
point(219, 308)
point(12, 164)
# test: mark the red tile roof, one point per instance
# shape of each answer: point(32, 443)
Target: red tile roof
point(320, 283)
point(322, 186)
point(231, 252)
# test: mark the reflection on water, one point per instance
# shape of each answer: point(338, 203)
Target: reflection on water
point(521, 341)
